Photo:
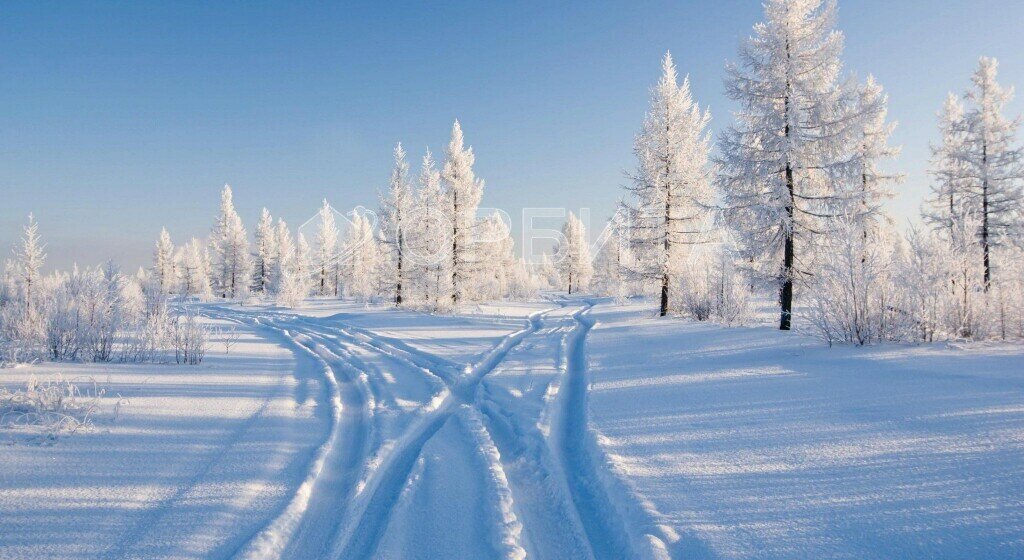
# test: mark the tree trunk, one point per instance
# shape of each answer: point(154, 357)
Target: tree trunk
point(398, 288)
point(984, 215)
point(664, 295)
point(786, 293)
point(455, 249)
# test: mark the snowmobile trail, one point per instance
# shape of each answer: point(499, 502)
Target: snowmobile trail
point(411, 427)
point(387, 483)
point(605, 530)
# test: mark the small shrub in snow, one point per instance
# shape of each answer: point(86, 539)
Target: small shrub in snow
point(51, 407)
point(189, 338)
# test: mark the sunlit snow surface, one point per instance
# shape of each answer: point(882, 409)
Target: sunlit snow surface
point(754, 443)
point(551, 429)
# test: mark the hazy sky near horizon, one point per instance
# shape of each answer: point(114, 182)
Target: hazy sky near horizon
point(121, 118)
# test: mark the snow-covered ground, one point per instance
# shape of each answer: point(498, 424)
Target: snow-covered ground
point(563, 428)
point(197, 460)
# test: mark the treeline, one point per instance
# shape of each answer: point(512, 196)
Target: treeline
point(430, 250)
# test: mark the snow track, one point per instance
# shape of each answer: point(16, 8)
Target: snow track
point(421, 446)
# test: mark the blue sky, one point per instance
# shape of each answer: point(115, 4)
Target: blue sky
point(119, 119)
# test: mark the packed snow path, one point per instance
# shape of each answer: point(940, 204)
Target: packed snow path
point(428, 456)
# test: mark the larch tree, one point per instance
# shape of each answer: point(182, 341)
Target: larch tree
point(164, 274)
point(671, 188)
point(463, 192)
point(265, 253)
point(304, 266)
point(230, 250)
point(326, 252)
point(871, 185)
point(430, 242)
point(362, 258)
point(195, 270)
point(950, 181)
point(791, 140)
point(396, 207)
point(29, 258)
point(993, 162)
point(287, 283)
point(573, 256)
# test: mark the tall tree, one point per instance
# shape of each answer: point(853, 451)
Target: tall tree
point(994, 163)
point(950, 181)
point(327, 252)
point(871, 185)
point(164, 274)
point(195, 270)
point(573, 257)
point(463, 191)
point(672, 186)
point(396, 206)
point(791, 139)
point(29, 259)
point(430, 244)
point(266, 250)
point(230, 249)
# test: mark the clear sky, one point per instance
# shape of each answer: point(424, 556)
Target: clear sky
point(119, 118)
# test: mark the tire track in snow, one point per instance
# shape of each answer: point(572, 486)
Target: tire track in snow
point(386, 486)
point(605, 529)
point(275, 538)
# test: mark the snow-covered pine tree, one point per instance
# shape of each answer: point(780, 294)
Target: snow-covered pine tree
point(265, 253)
point(463, 191)
point(671, 188)
point(791, 139)
point(326, 252)
point(993, 162)
point(232, 265)
point(164, 274)
point(396, 207)
point(573, 256)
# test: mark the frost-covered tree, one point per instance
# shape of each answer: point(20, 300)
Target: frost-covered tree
point(29, 258)
point(573, 256)
point(232, 265)
point(194, 269)
point(265, 253)
point(326, 252)
point(499, 273)
point(672, 186)
point(871, 185)
point(396, 209)
point(305, 266)
point(791, 140)
point(430, 239)
point(164, 273)
point(463, 191)
point(993, 163)
point(289, 286)
point(362, 259)
point(854, 296)
point(950, 180)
